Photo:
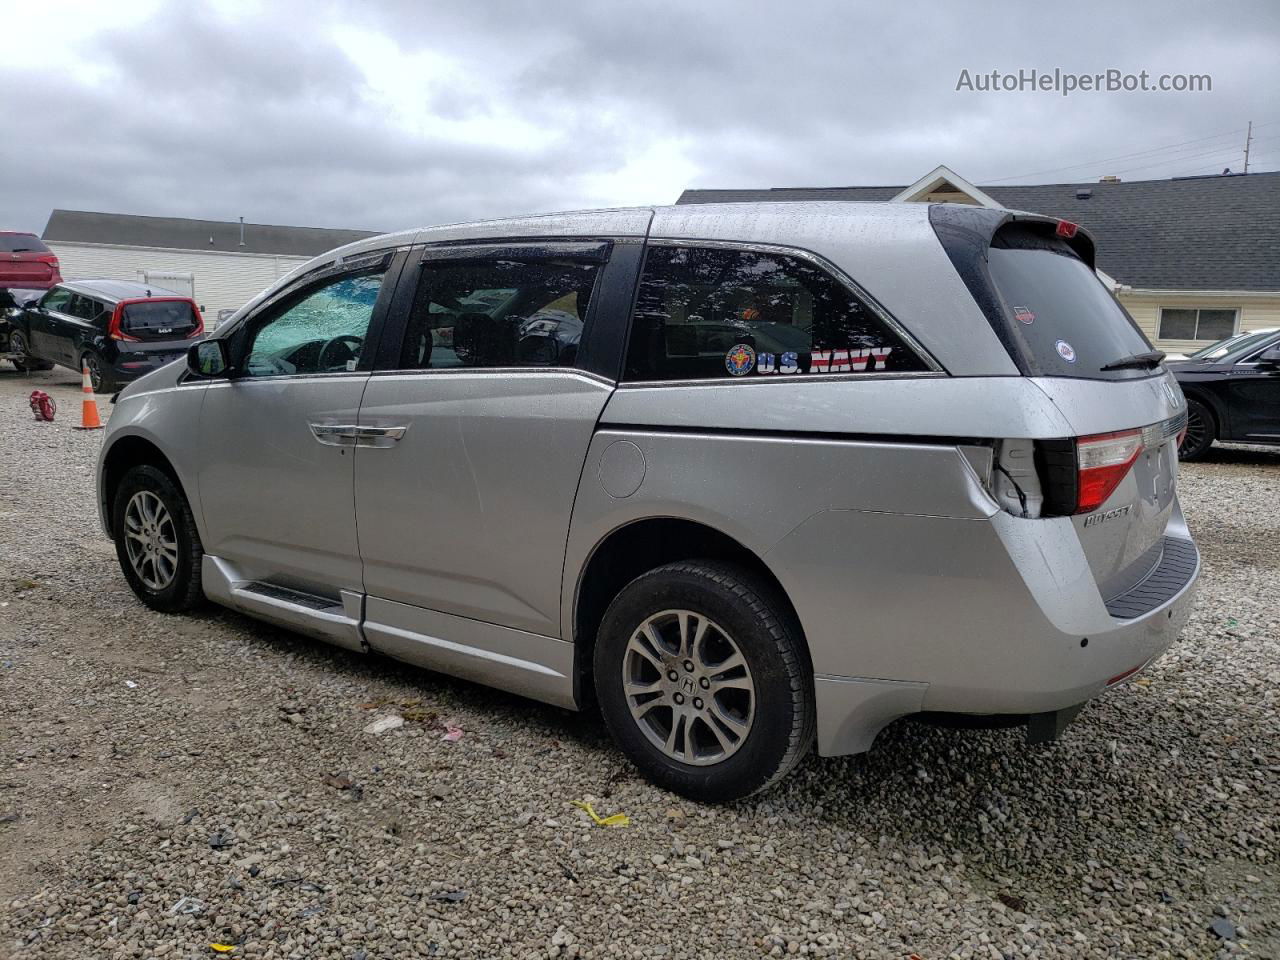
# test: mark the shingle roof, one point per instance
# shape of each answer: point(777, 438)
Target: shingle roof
point(1200, 233)
point(177, 233)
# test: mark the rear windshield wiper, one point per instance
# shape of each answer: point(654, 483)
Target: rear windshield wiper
point(1140, 360)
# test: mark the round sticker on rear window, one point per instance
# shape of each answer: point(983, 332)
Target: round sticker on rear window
point(740, 359)
point(1066, 351)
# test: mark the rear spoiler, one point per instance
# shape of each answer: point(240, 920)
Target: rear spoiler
point(962, 226)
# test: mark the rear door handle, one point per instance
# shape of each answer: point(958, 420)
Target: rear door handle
point(357, 435)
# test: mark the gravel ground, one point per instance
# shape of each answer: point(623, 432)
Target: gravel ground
point(145, 759)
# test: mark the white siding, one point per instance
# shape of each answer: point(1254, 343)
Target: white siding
point(223, 281)
point(1254, 311)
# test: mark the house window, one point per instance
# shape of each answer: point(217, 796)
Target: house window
point(1179, 323)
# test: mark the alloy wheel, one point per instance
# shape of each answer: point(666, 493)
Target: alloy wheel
point(95, 371)
point(1196, 431)
point(151, 540)
point(688, 687)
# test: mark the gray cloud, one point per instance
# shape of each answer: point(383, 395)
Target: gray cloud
point(263, 112)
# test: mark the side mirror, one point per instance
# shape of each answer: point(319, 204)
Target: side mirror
point(1270, 358)
point(208, 358)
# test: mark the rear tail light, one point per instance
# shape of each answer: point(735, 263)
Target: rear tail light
point(1080, 474)
point(51, 258)
point(1102, 461)
point(199, 327)
point(113, 326)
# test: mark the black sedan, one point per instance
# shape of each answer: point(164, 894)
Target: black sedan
point(1233, 392)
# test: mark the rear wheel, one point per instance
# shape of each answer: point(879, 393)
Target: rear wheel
point(99, 373)
point(1202, 430)
point(157, 543)
point(703, 680)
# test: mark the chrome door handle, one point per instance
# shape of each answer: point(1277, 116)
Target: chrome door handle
point(335, 434)
point(380, 436)
point(357, 435)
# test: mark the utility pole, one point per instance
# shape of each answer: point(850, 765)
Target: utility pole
point(1247, 137)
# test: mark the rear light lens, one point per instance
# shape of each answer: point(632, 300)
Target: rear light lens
point(199, 327)
point(113, 326)
point(1102, 461)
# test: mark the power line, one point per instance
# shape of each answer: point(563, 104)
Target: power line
point(1225, 152)
point(1127, 156)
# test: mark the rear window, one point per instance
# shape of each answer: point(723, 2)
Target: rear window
point(1059, 316)
point(158, 319)
point(21, 243)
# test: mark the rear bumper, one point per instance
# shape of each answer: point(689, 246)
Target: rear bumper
point(999, 616)
point(130, 364)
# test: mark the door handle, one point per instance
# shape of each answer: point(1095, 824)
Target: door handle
point(335, 434)
point(380, 436)
point(357, 435)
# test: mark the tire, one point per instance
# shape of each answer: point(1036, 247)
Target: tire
point(778, 708)
point(167, 577)
point(1202, 430)
point(99, 373)
point(22, 360)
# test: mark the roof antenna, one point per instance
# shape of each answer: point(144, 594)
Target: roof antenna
point(242, 231)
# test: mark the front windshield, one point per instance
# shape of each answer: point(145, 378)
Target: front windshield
point(1239, 343)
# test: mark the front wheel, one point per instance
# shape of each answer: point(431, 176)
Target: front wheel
point(1202, 429)
point(21, 357)
point(157, 543)
point(703, 680)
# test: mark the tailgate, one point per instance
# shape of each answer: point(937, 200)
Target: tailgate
point(1122, 539)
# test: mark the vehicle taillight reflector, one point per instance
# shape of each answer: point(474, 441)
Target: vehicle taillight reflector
point(1102, 461)
point(113, 327)
point(1120, 677)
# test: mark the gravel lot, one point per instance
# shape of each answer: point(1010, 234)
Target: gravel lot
point(144, 759)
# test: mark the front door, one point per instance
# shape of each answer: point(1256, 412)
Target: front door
point(276, 482)
point(48, 323)
point(463, 520)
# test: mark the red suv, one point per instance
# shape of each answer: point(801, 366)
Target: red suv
point(26, 263)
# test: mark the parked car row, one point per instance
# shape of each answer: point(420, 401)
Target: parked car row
point(118, 329)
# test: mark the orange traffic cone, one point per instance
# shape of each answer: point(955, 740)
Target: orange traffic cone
point(89, 419)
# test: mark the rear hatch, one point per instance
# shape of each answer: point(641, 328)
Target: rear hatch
point(1116, 477)
point(26, 261)
point(163, 326)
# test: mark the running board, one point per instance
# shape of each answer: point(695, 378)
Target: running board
point(333, 621)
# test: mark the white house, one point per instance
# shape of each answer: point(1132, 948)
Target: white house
point(222, 264)
point(1193, 259)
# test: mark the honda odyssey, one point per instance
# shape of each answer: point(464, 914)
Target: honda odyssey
point(750, 477)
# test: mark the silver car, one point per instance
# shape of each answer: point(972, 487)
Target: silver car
point(748, 476)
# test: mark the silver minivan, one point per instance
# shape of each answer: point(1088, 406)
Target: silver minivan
point(747, 476)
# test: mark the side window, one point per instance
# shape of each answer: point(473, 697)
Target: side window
point(705, 313)
point(498, 313)
point(323, 332)
point(83, 307)
point(56, 299)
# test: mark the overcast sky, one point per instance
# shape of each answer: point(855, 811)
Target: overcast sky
point(384, 115)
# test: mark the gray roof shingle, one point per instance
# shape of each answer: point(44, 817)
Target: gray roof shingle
point(177, 233)
point(1200, 233)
